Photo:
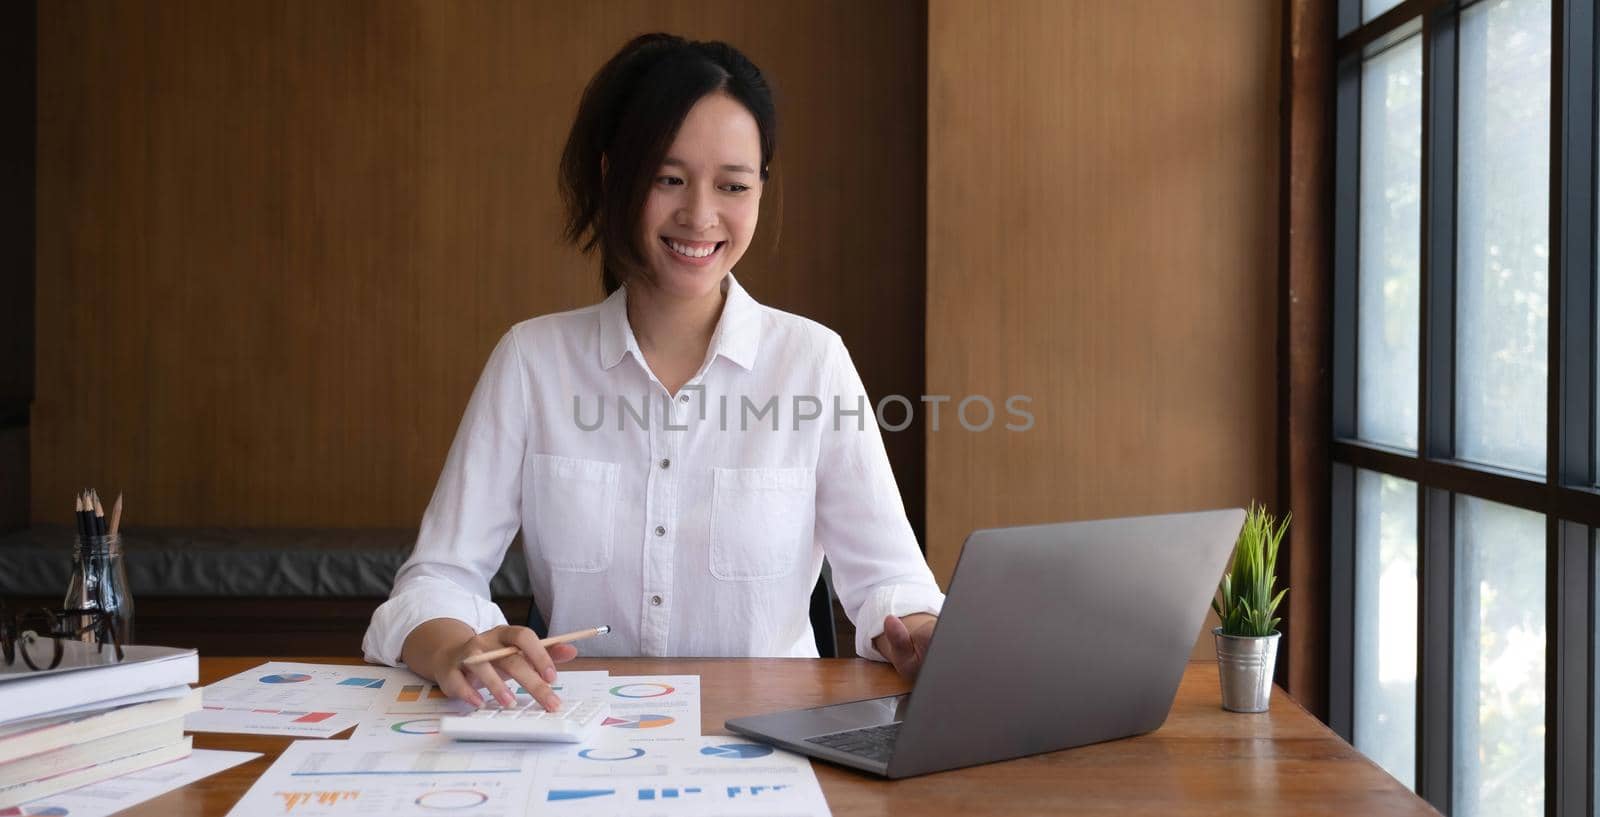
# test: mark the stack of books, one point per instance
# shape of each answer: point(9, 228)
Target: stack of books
point(91, 718)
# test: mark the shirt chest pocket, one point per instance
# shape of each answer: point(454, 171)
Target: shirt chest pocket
point(574, 504)
point(761, 521)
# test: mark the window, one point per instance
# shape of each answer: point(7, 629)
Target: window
point(1390, 284)
point(1370, 9)
point(1502, 219)
point(1386, 623)
point(1465, 494)
point(1499, 660)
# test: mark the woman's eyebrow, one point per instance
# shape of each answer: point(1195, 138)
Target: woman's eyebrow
point(669, 161)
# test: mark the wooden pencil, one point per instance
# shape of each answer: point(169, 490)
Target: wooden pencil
point(116, 514)
point(543, 642)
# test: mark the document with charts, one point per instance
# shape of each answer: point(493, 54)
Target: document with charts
point(315, 778)
point(650, 709)
point(712, 776)
point(111, 796)
point(407, 714)
point(294, 699)
point(706, 776)
point(644, 709)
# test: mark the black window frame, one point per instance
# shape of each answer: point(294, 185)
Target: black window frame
point(1566, 495)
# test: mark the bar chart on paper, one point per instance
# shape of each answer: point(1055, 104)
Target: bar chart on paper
point(412, 693)
point(704, 777)
point(340, 761)
point(338, 779)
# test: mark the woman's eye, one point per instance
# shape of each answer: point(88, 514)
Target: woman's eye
point(670, 180)
point(737, 188)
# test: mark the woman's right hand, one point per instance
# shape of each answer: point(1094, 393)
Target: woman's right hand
point(444, 643)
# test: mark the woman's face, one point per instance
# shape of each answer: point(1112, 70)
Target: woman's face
point(704, 199)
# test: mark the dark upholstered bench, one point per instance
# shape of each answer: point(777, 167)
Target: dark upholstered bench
point(236, 591)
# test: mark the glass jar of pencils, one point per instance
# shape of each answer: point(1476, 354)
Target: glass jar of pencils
point(100, 582)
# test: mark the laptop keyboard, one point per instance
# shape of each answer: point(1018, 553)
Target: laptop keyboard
point(872, 742)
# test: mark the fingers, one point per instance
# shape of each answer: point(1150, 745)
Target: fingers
point(533, 652)
point(489, 677)
point(896, 634)
point(532, 667)
point(902, 652)
point(455, 684)
point(893, 640)
point(922, 636)
point(517, 667)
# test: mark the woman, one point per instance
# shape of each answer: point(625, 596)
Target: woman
point(694, 517)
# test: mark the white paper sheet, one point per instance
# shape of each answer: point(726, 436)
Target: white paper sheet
point(118, 793)
point(651, 709)
point(407, 715)
point(714, 776)
point(336, 778)
point(719, 776)
point(298, 700)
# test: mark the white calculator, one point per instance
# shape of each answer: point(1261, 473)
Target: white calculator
point(527, 721)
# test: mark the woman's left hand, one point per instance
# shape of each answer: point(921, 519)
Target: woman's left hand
point(905, 642)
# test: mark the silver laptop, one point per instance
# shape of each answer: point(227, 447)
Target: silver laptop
point(1052, 636)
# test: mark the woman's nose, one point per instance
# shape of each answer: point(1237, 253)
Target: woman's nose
point(697, 213)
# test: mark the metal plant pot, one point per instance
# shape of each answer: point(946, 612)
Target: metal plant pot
point(1245, 664)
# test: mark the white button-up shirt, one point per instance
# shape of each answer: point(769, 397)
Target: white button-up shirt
point(694, 524)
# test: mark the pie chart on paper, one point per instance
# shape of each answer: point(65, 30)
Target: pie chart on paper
point(419, 726)
point(737, 751)
point(638, 721)
point(641, 690)
point(285, 678)
point(605, 754)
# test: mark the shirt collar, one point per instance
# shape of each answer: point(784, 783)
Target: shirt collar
point(737, 336)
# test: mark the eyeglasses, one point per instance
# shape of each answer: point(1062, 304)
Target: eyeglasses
point(38, 636)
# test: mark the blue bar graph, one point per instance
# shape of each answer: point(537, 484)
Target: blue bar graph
point(668, 793)
point(734, 791)
point(555, 795)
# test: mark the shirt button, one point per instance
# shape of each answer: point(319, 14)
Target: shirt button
point(683, 398)
point(665, 463)
point(661, 531)
point(655, 601)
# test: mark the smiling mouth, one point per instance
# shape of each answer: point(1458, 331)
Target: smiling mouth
point(693, 250)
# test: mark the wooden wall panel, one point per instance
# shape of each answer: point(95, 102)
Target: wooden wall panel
point(277, 241)
point(1306, 352)
point(1102, 236)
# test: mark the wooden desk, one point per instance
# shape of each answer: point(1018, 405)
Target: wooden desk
point(1203, 761)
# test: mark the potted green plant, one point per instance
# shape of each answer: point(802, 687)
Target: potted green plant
point(1246, 601)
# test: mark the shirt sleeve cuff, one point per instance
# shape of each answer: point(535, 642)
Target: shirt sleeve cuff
point(892, 600)
point(426, 599)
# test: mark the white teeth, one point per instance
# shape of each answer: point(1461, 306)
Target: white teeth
point(690, 251)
